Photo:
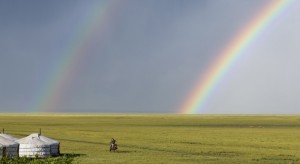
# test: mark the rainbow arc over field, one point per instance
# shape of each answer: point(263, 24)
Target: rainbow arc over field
point(195, 102)
point(71, 56)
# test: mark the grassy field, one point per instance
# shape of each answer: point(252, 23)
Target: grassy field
point(167, 138)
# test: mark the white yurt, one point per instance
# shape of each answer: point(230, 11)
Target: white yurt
point(10, 148)
point(32, 146)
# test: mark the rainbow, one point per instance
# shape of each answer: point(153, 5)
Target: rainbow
point(230, 54)
point(71, 56)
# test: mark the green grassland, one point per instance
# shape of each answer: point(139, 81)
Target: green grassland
point(167, 138)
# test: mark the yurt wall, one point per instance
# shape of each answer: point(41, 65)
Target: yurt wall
point(55, 149)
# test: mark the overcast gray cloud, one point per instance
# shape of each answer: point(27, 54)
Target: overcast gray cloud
point(147, 56)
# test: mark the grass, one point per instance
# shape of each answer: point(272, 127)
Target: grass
point(167, 138)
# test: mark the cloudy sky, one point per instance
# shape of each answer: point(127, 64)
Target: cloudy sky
point(138, 56)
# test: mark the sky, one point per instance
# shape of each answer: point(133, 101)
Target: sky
point(140, 56)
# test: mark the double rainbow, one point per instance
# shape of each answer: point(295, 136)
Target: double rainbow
point(230, 54)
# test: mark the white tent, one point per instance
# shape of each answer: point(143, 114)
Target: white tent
point(32, 146)
point(10, 148)
point(8, 136)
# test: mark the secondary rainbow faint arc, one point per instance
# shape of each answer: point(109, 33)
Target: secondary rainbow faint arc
point(229, 55)
point(69, 62)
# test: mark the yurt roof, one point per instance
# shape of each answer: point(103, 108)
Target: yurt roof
point(32, 139)
point(46, 139)
point(8, 136)
point(7, 142)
